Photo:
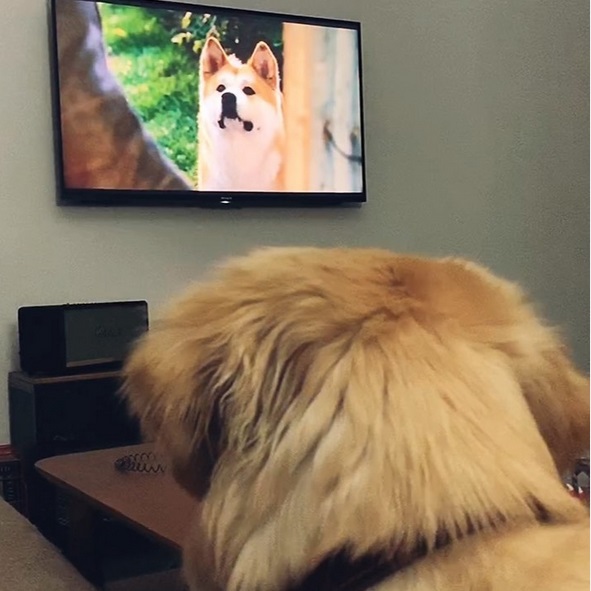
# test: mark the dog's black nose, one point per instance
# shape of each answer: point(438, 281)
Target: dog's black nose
point(229, 100)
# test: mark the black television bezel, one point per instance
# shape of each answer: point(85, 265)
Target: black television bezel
point(66, 196)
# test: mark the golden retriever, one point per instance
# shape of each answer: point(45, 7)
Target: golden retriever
point(357, 419)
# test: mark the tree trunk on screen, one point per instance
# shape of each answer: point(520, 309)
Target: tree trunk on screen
point(322, 109)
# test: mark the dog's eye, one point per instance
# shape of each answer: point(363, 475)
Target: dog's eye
point(248, 90)
point(221, 88)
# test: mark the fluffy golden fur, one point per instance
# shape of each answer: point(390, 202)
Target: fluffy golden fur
point(329, 399)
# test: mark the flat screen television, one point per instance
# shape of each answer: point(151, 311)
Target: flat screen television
point(168, 103)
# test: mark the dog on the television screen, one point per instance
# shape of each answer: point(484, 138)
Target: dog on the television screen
point(241, 131)
point(355, 419)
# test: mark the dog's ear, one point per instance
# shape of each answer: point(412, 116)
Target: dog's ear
point(265, 64)
point(175, 394)
point(194, 471)
point(213, 57)
point(501, 315)
point(558, 397)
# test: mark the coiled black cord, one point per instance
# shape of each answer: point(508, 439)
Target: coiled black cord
point(145, 462)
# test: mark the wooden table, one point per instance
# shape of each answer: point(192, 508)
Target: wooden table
point(151, 503)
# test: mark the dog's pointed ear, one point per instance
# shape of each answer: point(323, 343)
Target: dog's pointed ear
point(213, 57)
point(265, 64)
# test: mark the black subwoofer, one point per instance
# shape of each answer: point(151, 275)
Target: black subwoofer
point(51, 416)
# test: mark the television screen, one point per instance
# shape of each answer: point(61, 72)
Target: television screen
point(159, 102)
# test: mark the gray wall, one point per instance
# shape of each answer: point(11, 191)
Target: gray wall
point(477, 143)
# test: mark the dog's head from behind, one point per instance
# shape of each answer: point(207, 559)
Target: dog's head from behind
point(237, 98)
point(323, 401)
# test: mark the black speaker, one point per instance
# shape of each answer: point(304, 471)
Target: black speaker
point(57, 415)
point(54, 340)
